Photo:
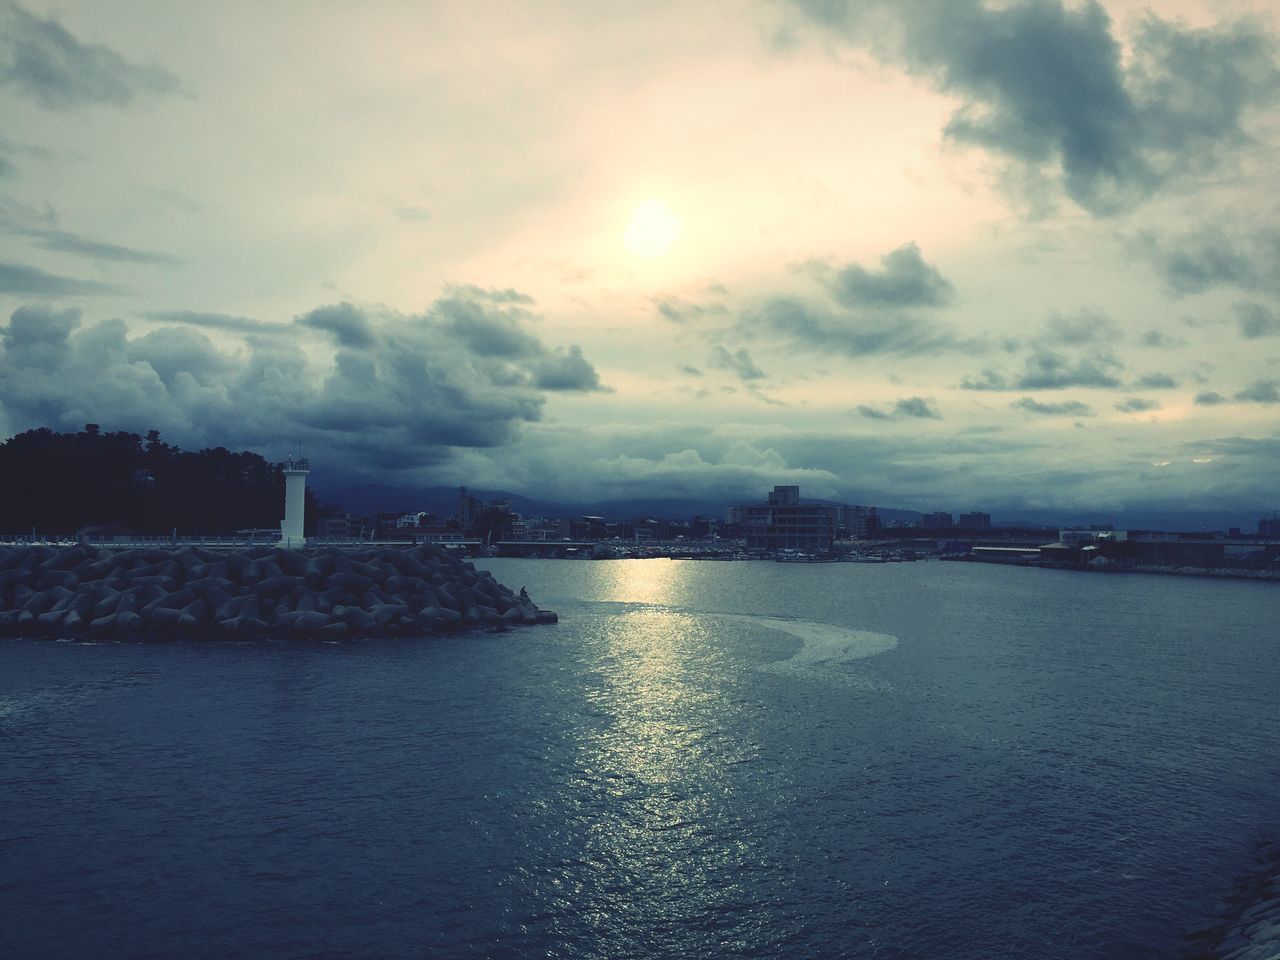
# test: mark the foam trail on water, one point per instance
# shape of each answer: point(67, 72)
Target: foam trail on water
point(823, 645)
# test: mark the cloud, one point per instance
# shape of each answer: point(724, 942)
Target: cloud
point(903, 280)
point(60, 241)
point(1137, 405)
point(1047, 370)
point(1156, 381)
point(1050, 370)
point(1159, 340)
point(1260, 391)
point(1046, 87)
point(507, 295)
point(42, 61)
point(1257, 321)
point(404, 392)
point(566, 370)
point(806, 326)
point(30, 281)
point(738, 362)
point(1068, 408)
point(1210, 257)
point(471, 317)
point(1209, 398)
point(742, 470)
point(349, 327)
point(1080, 329)
point(915, 408)
point(63, 242)
point(682, 311)
point(171, 351)
point(691, 371)
point(412, 214)
point(219, 321)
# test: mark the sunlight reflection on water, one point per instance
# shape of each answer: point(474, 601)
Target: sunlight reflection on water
point(656, 768)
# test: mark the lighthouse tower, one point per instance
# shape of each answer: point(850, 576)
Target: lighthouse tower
point(295, 502)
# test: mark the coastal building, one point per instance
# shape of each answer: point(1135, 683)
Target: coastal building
point(857, 522)
point(1270, 526)
point(347, 526)
point(782, 522)
point(588, 528)
point(975, 521)
point(468, 510)
point(937, 521)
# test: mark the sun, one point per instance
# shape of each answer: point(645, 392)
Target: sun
point(653, 229)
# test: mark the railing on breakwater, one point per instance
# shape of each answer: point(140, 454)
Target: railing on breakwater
point(215, 543)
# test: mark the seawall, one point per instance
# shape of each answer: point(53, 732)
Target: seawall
point(259, 592)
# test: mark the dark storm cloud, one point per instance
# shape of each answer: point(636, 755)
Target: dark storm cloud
point(405, 392)
point(1137, 405)
point(1209, 398)
point(1257, 321)
point(488, 332)
point(1156, 381)
point(1050, 370)
point(805, 325)
point(42, 61)
point(29, 281)
point(1260, 391)
point(903, 280)
point(348, 325)
point(171, 351)
point(739, 362)
point(39, 335)
point(915, 408)
point(1046, 86)
point(1068, 408)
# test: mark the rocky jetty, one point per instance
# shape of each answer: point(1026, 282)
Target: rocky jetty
point(1249, 928)
point(259, 592)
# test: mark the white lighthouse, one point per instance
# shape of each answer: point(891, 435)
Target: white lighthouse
point(295, 502)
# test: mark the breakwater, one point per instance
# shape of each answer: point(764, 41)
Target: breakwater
point(1249, 928)
point(260, 592)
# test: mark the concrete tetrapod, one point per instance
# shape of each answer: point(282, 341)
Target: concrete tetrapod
point(198, 593)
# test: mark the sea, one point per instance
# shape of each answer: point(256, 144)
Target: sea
point(700, 760)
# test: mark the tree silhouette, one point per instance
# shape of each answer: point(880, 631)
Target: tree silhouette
point(61, 482)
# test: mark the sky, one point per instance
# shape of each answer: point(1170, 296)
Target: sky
point(929, 254)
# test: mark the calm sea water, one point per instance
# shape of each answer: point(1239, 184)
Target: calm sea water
point(701, 760)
